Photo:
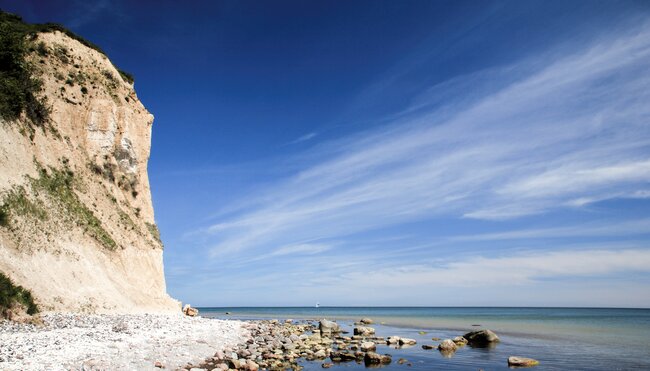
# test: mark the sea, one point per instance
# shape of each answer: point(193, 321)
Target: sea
point(559, 338)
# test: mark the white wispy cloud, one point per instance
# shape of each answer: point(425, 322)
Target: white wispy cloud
point(587, 276)
point(301, 249)
point(304, 138)
point(598, 229)
point(575, 128)
point(506, 271)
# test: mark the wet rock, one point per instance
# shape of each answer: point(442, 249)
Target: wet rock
point(342, 356)
point(372, 358)
point(327, 365)
point(514, 361)
point(447, 345)
point(407, 341)
point(364, 331)
point(427, 347)
point(392, 340)
point(402, 361)
point(368, 346)
point(459, 340)
point(328, 328)
point(481, 337)
point(366, 321)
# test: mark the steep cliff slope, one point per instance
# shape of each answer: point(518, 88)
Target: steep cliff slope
point(76, 220)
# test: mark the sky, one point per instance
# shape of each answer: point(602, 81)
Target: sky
point(419, 153)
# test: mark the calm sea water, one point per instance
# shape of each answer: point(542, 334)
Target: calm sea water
point(560, 338)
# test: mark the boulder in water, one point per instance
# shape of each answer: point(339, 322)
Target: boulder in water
point(406, 341)
point(481, 337)
point(447, 345)
point(514, 361)
point(364, 331)
point(327, 328)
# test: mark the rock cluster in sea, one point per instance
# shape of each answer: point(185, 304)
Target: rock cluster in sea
point(280, 346)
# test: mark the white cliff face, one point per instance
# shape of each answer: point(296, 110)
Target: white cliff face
point(81, 233)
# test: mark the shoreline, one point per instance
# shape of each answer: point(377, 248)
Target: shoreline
point(155, 341)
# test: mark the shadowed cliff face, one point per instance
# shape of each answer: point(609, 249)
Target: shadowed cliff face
point(77, 225)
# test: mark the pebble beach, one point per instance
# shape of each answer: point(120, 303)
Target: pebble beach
point(115, 342)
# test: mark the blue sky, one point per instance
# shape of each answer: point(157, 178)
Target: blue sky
point(391, 153)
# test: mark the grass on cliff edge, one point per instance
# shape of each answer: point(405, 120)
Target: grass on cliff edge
point(11, 294)
point(18, 87)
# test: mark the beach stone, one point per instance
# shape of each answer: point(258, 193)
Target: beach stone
point(221, 366)
point(481, 337)
point(328, 328)
point(368, 346)
point(364, 331)
point(515, 361)
point(402, 361)
point(372, 358)
point(120, 327)
point(189, 311)
point(327, 365)
point(251, 365)
point(427, 347)
point(342, 356)
point(447, 345)
point(407, 341)
point(459, 340)
point(393, 340)
point(158, 364)
point(366, 321)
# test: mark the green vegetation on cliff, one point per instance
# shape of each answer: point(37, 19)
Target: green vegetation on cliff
point(18, 87)
point(10, 295)
point(59, 186)
point(56, 190)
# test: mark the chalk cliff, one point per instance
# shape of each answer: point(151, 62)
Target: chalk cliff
point(77, 223)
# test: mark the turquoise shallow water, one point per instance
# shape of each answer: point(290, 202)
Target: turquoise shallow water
point(561, 338)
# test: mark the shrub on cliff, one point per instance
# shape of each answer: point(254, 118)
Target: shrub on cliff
point(18, 89)
point(12, 295)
